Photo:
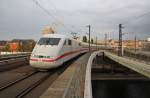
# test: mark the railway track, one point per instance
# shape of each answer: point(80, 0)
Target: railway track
point(20, 87)
point(10, 83)
point(13, 63)
point(25, 84)
point(32, 86)
point(13, 57)
point(31, 83)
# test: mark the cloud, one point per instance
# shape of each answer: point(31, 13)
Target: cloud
point(19, 18)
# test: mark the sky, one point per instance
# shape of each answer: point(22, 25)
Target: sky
point(25, 19)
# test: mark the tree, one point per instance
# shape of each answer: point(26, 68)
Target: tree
point(84, 39)
point(20, 49)
point(25, 45)
point(92, 41)
point(7, 48)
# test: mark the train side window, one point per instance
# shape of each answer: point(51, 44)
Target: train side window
point(65, 42)
point(79, 44)
point(69, 42)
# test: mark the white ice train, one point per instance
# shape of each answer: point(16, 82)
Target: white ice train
point(52, 50)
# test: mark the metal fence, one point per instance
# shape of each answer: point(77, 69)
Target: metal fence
point(137, 55)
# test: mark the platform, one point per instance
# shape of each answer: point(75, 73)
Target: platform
point(137, 66)
point(71, 82)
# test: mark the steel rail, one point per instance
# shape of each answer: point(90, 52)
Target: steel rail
point(32, 86)
point(12, 57)
point(16, 81)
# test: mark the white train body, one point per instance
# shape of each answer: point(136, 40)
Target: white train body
point(52, 50)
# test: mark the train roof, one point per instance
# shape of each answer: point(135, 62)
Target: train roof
point(59, 36)
point(55, 35)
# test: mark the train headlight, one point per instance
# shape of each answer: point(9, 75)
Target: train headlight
point(49, 57)
point(32, 55)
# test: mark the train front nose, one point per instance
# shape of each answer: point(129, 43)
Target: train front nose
point(45, 51)
point(44, 63)
point(44, 59)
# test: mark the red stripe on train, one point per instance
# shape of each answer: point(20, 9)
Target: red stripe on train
point(33, 59)
point(60, 57)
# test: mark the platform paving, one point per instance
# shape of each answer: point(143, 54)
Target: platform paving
point(71, 82)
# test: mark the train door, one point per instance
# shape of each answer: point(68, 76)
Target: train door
point(69, 48)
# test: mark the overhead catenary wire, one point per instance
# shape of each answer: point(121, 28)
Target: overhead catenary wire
point(45, 10)
point(73, 27)
point(55, 11)
point(51, 15)
point(136, 17)
point(70, 28)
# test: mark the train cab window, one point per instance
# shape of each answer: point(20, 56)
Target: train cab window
point(49, 41)
point(69, 42)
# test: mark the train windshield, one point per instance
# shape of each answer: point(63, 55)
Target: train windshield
point(49, 41)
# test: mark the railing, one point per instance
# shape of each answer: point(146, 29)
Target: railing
point(88, 86)
point(10, 53)
point(137, 55)
point(75, 82)
point(80, 83)
point(14, 55)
